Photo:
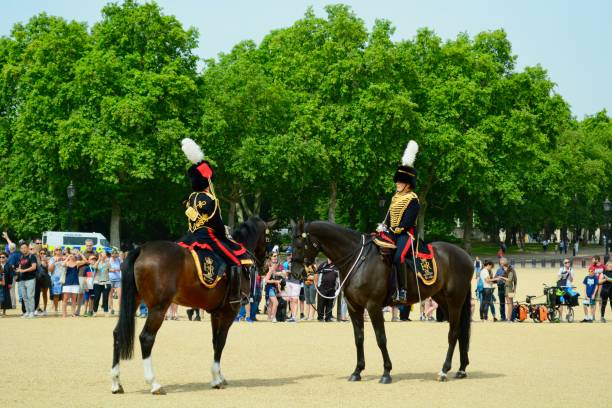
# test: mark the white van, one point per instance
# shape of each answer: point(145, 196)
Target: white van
point(63, 239)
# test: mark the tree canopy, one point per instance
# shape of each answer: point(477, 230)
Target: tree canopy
point(310, 122)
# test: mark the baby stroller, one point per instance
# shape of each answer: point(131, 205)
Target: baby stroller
point(557, 296)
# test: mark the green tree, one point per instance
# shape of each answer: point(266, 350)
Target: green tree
point(36, 71)
point(137, 96)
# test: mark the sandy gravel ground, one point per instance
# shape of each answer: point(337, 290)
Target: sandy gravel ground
point(54, 362)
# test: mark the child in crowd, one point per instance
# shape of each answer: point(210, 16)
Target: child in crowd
point(590, 281)
point(89, 289)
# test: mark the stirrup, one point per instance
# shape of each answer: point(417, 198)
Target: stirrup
point(401, 295)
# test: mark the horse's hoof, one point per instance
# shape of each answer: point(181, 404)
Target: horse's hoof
point(460, 374)
point(159, 391)
point(385, 379)
point(354, 377)
point(118, 390)
point(442, 377)
point(219, 386)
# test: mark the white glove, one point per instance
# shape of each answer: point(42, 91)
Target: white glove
point(381, 227)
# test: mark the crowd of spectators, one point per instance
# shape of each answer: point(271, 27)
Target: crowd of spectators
point(78, 277)
point(597, 289)
point(85, 280)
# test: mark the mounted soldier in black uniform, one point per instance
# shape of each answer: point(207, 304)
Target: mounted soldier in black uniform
point(206, 228)
point(402, 215)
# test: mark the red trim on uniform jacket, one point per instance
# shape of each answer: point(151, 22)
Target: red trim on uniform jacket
point(240, 251)
point(223, 248)
point(420, 255)
point(195, 244)
point(427, 256)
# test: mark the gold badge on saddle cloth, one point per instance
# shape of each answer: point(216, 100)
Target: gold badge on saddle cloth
point(428, 271)
point(209, 280)
point(209, 268)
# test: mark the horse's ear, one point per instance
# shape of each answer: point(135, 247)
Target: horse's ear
point(271, 223)
point(292, 223)
point(301, 224)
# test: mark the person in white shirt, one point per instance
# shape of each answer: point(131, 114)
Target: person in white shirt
point(486, 275)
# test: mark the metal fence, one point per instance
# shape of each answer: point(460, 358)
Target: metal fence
point(550, 263)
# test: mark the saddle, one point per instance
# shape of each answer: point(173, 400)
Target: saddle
point(211, 268)
point(425, 262)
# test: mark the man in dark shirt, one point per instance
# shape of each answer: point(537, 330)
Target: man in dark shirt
point(325, 279)
point(26, 271)
point(606, 289)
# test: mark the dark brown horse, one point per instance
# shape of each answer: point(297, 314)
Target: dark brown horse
point(367, 286)
point(160, 273)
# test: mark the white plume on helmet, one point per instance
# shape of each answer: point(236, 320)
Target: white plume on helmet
point(192, 150)
point(410, 153)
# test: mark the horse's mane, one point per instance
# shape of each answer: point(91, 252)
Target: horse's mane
point(246, 229)
point(332, 225)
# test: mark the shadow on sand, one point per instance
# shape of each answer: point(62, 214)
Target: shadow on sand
point(429, 376)
point(247, 382)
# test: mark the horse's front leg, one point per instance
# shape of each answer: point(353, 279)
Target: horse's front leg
point(356, 314)
point(378, 322)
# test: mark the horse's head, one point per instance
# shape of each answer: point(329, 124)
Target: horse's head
point(304, 250)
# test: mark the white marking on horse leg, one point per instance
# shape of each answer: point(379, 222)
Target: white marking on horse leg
point(216, 374)
point(115, 378)
point(150, 375)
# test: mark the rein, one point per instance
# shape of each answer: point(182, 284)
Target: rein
point(356, 263)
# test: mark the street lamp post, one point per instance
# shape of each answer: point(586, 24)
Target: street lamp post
point(575, 200)
point(607, 207)
point(381, 206)
point(70, 192)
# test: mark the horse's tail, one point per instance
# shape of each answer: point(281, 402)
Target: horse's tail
point(126, 325)
point(465, 322)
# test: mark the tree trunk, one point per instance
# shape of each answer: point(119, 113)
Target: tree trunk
point(231, 216)
point(521, 238)
point(239, 213)
point(115, 233)
point(257, 205)
point(353, 216)
point(467, 229)
point(333, 191)
point(421, 218)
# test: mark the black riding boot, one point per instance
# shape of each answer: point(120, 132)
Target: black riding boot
point(234, 284)
point(401, 294)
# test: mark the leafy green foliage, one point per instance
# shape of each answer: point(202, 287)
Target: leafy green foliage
point(310, 122)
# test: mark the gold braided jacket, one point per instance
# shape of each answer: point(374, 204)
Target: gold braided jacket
point(196, 217)
point(399, 203)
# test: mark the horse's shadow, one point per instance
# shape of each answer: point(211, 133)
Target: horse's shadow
point(428, 376)
point(247, 382)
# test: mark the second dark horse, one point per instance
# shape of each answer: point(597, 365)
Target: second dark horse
point(160, 273)
point(367, 287)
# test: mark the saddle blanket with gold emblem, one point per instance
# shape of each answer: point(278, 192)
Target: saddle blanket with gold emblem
point(209, 266)
point(425, 262)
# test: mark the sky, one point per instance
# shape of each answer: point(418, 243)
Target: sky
point(572, 40)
